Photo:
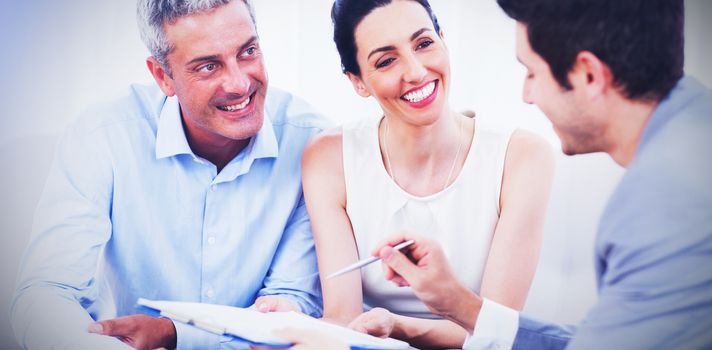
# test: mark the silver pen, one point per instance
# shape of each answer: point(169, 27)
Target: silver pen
point(359, 264)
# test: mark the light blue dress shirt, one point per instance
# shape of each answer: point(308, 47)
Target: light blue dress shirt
point(130, 211)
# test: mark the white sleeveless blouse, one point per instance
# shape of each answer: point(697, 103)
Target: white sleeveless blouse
point(462, 217)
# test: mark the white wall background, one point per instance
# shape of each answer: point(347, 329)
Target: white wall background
point(59, 57)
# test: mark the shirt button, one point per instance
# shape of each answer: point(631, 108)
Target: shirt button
point(214, 188)
point(211, 240)
point(209, 293)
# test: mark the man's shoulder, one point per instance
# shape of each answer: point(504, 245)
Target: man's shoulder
point(286, 109)
point(669, 175)
point(138, 103)
point(678, 147)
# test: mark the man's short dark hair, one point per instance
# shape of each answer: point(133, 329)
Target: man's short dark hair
point(641, 41)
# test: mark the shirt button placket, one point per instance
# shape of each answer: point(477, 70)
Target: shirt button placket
point(211, 235)
point(210, 240)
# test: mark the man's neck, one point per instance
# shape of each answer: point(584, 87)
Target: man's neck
point(220, 156)
point(628, 121)
point(216, 149)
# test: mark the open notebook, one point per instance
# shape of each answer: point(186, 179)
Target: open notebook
point(256, 328)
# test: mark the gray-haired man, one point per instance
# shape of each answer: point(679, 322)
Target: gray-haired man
point(185, 191)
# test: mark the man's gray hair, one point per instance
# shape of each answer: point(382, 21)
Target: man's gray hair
point(153, 15)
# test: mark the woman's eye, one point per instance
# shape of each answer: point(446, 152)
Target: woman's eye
point(425, 44)
point(384, 63)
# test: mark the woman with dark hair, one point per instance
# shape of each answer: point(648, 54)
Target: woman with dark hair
point(420, 167)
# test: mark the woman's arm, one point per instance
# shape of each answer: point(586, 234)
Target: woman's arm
point(418, 332)
point(325, 196)
point(524, 198)
point(423, 333)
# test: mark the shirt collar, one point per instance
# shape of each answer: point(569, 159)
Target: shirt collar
point(264, 144)
point(679, 97)
point(171, 139)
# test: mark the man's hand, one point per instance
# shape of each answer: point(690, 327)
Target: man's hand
point(426, 270)
point(275, 304)
point(139, 331)
point(377, 322)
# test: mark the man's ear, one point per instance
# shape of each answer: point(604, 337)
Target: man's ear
point(591, 75)
point(359, 87)
point(163, 79)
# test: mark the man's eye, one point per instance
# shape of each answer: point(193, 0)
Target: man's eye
point(249, 52)
point(207, 68)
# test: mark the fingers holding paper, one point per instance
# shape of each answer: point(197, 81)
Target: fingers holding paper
point(138, 331)
point(310, 340)
point(377, 322)
point(272, 303)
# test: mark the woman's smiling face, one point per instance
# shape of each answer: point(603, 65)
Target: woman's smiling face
point(403, 61)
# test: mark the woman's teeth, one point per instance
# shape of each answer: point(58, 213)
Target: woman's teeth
point(421, 94)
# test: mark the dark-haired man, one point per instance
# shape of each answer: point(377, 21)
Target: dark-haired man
point(188, 190)
point(609, 75)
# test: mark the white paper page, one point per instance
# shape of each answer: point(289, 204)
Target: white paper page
point(258, 327)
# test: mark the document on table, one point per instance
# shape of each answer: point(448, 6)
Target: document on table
point(257, 328)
